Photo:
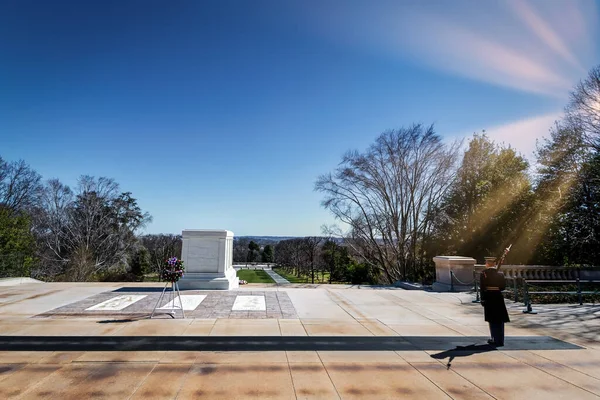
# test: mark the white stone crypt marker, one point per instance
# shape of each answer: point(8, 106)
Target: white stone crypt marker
point(208, 260)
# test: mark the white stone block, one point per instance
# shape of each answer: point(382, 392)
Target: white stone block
point(190, 302)
point(249, 303)
point(461, 267)
point(116, 303)
point(207, 257)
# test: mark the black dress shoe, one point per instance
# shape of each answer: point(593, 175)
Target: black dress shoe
point(499, 344)
point(491, 342)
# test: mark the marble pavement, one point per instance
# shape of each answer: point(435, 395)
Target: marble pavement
point(554, 354)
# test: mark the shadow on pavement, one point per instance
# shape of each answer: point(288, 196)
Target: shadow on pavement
point(463, 351)
point(140, 289)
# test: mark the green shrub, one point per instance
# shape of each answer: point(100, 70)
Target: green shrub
point(118, 275)
point(360, 273)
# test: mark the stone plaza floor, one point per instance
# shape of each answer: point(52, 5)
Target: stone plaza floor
point(95, 340)
point(140, 302)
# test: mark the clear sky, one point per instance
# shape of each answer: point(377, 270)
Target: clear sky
point(223, 114)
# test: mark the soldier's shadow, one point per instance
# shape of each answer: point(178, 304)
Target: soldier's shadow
point(463, 351)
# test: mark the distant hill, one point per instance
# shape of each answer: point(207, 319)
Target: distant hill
point(264, 240)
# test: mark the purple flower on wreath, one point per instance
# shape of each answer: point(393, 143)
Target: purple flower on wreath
point(172, 270)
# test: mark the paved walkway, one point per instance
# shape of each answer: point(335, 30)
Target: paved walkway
point(345, 343)
point(276, 277)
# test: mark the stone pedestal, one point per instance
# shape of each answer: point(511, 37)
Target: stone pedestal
point(207, 257)
point(462, 267)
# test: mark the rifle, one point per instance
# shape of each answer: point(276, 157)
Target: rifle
point(506, 250)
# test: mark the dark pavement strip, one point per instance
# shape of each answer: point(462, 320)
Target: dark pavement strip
point(272, 343)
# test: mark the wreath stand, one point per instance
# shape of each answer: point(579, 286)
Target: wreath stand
point(174, 288)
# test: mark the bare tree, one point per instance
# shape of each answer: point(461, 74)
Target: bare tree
point(240, 249)
point(160, 247)
point(89, 232)
point(19, 185)
point(583, 110)
point(387, 196)
point(291, 255)
point(283, 254)
point(299, 259)
point(310, 246)
point(52, 227)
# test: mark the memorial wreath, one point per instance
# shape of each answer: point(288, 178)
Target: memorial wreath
point(172, 270)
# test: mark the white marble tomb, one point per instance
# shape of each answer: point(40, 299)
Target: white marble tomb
point(207, 258)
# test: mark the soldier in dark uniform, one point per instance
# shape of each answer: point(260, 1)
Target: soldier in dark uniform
point(492, 284)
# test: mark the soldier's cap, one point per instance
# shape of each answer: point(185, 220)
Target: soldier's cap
point(490, 259)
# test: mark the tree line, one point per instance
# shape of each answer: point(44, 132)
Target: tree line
point(317, 259)
point(410, 196)
point(246, 251)
point(322, 259)
point(51, 231)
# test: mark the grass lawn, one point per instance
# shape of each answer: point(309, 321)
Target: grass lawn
point(249, 275)
point(254, 276)
point(153, 277)
point(304, 278)
point(289, 277)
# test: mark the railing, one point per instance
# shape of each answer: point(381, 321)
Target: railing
point(454, 278)
point(579, 292)
point(253, 265)
point(538, 272)
point(526, 276)
point(476, 281)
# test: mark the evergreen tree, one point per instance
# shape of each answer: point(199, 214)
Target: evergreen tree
point(336, 260)
point(140, 263)
point(481, 212)
point(17, 244)
point(566, 227)
point(267, 254)
point(253, 249)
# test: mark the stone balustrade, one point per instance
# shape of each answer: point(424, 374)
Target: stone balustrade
point(546, 273)
point(456, 273)
point(539, 272)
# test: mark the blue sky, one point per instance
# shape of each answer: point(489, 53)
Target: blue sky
point(223, 114)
